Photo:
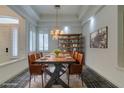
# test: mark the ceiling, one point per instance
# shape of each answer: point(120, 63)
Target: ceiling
point(50, 9)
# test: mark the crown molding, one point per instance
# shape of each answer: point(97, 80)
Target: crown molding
point(61, 18)
point(27, 12)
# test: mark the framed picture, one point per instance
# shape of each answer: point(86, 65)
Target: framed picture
point(99, 38)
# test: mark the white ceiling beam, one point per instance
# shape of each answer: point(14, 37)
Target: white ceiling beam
point(61, 18)
point(31, 12)
point(83, 11)
point(26, 13)
point(92, 11)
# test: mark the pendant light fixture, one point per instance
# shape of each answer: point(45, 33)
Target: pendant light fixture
point(56, 31)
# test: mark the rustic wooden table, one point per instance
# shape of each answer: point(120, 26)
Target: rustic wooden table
point(58, 62)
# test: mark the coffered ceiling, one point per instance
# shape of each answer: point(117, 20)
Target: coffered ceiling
point(50, 9)
point(44, 13)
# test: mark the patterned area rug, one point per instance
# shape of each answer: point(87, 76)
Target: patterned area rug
point(19, 81)
point(94, 80)
point(90, 79)
point(22, 81)
point(75, 82)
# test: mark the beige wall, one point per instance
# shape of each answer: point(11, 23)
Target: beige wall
point(9, 67)
point(5, 35)
point(5, 42)
point(105, 61)
point(121, 36)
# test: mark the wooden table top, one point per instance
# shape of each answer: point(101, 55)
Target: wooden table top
point(64, 59)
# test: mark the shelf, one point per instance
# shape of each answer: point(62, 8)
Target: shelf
point(71, 38)
point(70, 34)
point(71, 42)
point(71, 47)
point(68, 43)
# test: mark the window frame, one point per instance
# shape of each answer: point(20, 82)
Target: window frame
point(17, 43)
point(32, 39)
point(43, 49)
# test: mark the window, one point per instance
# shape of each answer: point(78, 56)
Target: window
point(43, 42)
point(14, 42)
point(32, 39)
point(31, 43)
point(40, 41)
point(8, 20)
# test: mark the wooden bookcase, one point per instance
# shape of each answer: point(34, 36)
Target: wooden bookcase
point(70, 42)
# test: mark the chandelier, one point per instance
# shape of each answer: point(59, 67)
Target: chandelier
point(56, 31)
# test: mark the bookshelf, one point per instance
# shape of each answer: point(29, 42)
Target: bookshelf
point(71, 42)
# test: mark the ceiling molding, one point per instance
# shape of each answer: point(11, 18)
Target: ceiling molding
point(92, 11)
point(49, 24)
point(83, 10)
point(26, 12)
point(50, 9)
point(31, 12)
point(61, 18)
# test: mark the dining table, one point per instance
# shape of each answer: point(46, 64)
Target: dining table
point(61, 64)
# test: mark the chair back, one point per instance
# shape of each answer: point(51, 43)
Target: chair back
point(41, 54)
point(80, 58)
point(31, 58)
point(34, 69)
point(75, 55)
point(38, 55)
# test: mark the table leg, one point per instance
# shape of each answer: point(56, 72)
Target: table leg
point(55, 77)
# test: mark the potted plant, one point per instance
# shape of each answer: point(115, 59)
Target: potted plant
point(57, 51)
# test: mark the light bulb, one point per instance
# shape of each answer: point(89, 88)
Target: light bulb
point(52, 32)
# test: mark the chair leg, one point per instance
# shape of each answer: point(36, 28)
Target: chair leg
point(42, 80)
point(30, 81)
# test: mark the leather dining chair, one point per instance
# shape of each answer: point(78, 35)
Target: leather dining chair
point(38, 55)
point(41, 54)
point(75, 55)
point(76, 69)
point(72, 53)
point(45, 66)
point(34, 69)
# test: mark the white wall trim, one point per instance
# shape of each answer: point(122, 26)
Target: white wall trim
point(119, 68)
point(12, 61)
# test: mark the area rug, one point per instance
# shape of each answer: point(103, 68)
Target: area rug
point(75, 81)
point(90, 78)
